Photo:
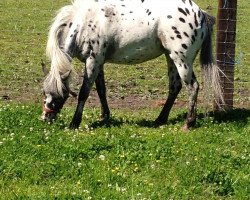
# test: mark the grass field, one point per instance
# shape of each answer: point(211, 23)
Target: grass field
point(128, 159)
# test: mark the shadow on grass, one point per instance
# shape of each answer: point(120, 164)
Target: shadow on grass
point(240, 115)
point(112, 122)
point(234, 115)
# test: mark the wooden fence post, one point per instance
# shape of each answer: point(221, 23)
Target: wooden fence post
point(225, 47)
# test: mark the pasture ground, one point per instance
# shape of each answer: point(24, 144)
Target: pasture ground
point(127, 159)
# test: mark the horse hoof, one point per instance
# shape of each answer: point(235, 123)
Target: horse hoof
point(158, 123)
point(73, 126)
point(104, 120)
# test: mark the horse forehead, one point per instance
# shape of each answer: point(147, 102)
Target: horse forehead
point(48, 97)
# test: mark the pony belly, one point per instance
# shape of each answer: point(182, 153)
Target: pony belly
point(134, 54)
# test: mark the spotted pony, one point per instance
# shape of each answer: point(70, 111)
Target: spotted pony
point(128, 32)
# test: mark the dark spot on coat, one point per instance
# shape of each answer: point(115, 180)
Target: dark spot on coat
point(195, 20)
point(182, 11)
point(191, 26)
point(182, 20)
point(187, 11)
point(195, 33)
point(191, 3)
point(177, 32)
point(199, 13)
point(193, 38)
point(174, 28)
point(186, 34)
point(184, 46)
point(179, 36)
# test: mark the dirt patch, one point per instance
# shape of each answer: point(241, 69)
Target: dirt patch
point(130, 101)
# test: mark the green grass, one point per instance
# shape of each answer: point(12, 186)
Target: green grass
point(127, 160)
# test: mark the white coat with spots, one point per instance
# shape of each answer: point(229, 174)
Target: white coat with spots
point(127, 32)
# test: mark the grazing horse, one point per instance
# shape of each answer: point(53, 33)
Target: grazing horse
point(128, 32)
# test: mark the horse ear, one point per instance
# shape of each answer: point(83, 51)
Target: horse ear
point(44, 68)
point(65, 75)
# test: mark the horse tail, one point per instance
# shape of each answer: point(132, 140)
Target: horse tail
point(60, 60)
point(211, 71)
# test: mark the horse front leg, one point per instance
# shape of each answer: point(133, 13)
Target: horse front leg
point(90, 74)
point(101, 90)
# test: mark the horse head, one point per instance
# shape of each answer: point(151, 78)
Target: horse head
point(54, 98)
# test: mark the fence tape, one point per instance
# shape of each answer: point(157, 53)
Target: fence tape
point(232, 62)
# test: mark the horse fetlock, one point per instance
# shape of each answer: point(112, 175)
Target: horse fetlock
point(159, 122)
point(105, 118)
point(76, 121)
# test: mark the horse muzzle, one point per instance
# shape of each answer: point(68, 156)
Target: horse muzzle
point(48, 115)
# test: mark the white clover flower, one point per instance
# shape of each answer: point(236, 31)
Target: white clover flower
point(102, 157)
point(123, 190)
point(86, 127)
point(79, 164)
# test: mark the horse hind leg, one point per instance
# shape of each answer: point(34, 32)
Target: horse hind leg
point(188, 77)
point(101, 90)
point(175, 86)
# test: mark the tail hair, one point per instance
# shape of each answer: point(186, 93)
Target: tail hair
point(211, 72)
point(60, 60)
